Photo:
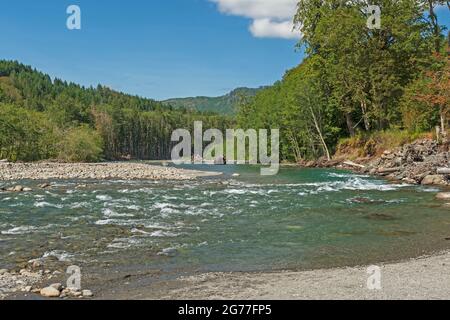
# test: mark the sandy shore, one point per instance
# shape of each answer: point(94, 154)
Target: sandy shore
point(421, 278)
point(110, 170)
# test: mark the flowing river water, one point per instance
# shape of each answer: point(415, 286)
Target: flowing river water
point(299, 219)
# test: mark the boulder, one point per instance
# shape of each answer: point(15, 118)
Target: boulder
point(434, 180)
point(18, 189)
point(50, 292)
point(57, 286)
point(443, 196)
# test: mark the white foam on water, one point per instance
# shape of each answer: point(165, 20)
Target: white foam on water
point(61, 255)
point(78, 205)
point(163, 234)
point(103, 197)
point(123, 243)
point(168, 251)
point(107, 212)
point(139, 231)
point(44, 204)
point(17, 204)
point(157, 226)
point(346, 175)
point(121, 222)
point(20, 230)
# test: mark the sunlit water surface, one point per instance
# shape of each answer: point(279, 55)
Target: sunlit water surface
point(300, 219)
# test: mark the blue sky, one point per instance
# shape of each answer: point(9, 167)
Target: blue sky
point(155, 48)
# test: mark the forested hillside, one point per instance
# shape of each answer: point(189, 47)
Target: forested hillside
point(226, 104)
point(41, 118)
point(357, 82)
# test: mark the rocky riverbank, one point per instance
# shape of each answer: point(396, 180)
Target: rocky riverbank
point(97, 171)
point(422, 162)
point(31, 282)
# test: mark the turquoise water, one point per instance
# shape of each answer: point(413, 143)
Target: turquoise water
point(300, 219)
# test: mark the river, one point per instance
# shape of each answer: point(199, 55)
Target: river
point(299, 219)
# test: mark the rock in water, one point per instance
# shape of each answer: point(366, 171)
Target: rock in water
point(443, 196)
point(18, 188)
point(50, 292)
point(434, 180)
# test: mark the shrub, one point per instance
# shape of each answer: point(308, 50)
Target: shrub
point(81, 144)
point(373, 144)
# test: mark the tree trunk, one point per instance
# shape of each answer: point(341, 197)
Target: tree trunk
point(436, 28)
point(319, 131)
point(350, 124)
point(443, 124)
point(364, 112)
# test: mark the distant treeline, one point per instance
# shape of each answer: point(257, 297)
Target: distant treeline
point(356, 80)
point(41, 118)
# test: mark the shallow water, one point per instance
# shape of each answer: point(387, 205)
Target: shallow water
point(300, 219)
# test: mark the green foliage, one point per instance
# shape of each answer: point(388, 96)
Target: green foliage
point(223, 105)
point(25, 134)
point(40, 115)
point(81, 144)
point(417, 116)
point(355, 81)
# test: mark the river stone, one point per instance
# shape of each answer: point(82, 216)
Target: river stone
point(57, 286)
point(3, 271)
point(87, 293)
point(18, 189)
point(50, 292)
point(443, 196)
point(434, 180)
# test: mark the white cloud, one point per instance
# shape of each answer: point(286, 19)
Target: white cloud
point(266, 28)
point(271, 18)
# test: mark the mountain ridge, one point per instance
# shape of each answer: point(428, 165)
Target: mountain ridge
point(224, 104)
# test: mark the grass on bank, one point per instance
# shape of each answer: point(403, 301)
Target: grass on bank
point(375, 143)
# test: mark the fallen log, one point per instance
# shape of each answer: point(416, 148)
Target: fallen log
point(352, 164)
point(389, 170)
point(443, 171)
